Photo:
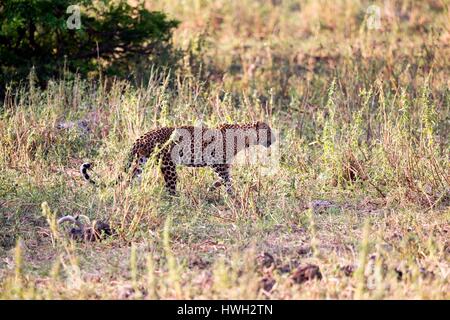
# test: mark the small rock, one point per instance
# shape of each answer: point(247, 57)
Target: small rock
point(97, 232)
point(399, 273)
point(321, 205)
point(306, 273)
point(267, 283)
point(199, 263)
point(426, 274)
point(304, 250)
point(126, 292)
point(265, 260)
point(348, 270)
point(286, 268)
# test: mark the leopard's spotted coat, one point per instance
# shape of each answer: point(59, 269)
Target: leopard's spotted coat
point(160, 143)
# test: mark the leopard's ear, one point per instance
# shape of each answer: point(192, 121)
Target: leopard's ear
point(257, 124)
point(261, 125)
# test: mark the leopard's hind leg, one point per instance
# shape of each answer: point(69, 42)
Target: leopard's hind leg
point(169, 172)
point(223, 172)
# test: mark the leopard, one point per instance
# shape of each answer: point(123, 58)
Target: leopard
point(192, 146)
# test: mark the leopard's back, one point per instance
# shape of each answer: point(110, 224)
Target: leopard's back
point(145, 145)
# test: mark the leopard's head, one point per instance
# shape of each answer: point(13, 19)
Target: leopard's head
point(265, 134)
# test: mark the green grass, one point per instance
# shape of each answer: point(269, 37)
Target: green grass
point(364, 121)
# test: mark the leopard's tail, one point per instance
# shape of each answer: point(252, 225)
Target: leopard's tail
point(84, 172)
point(85, 167)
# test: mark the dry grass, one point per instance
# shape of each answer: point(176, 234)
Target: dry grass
point(364, 120)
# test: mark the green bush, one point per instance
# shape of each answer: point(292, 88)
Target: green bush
point(114, 38)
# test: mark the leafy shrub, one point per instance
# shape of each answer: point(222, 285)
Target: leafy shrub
point(113, 37)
